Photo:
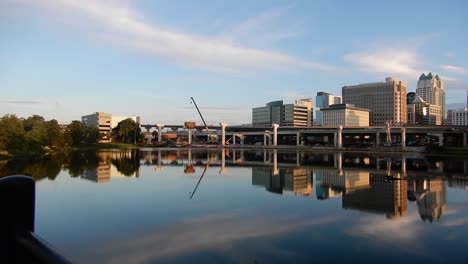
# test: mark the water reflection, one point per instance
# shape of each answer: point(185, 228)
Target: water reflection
point(374, 183)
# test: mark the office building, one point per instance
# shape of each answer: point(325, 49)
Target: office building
point(385, 100)
point(419, 112)
point(457, 117)
point(100, 120)
point(298, 114)
point(324, 100)
point(344, 115)
point(431, 90)
point(105, 122)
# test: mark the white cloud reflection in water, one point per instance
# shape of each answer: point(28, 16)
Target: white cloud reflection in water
point(218, 232)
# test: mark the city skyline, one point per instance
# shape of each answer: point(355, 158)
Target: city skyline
point(65, 59)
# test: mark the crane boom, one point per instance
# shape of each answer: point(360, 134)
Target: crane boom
point(206, 127)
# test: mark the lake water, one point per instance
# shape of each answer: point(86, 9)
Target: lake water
point(212, 206)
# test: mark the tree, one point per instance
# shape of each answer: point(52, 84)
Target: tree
point(126, 131)
point(31, 121)
point(10, 127)
point(92, 135)
point(77, 132)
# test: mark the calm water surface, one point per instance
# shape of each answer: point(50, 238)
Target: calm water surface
point(212, 206)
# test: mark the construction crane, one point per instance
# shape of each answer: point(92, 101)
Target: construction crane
point(210, 136)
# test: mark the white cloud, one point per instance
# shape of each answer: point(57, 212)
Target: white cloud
point(389, 61)
point(454, 69)
point(266, 27)
point(116, 20)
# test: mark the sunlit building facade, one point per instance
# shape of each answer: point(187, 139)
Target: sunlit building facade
point(298, 114)
point(385, 100)
point(344, 115)
point(324, 100)
point(431, 90)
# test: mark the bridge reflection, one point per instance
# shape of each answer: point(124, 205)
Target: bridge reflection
point(369, 183)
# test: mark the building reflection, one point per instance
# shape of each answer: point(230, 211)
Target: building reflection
point(122, 164)
point(383, 196)
point(295, 180)
point(430, 195)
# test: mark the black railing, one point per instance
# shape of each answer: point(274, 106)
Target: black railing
point(18, 242)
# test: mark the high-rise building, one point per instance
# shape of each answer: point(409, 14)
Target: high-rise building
point(422, 113)
point(324, 100)
point(298, 114)
point(386, 100)
point(431, 89)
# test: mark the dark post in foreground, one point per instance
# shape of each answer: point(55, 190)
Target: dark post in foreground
point(18, 242)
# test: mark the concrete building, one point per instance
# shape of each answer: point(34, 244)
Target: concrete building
point(386, 100)
point(298, 114)
point(100, 120)
point(431, 90)
point(457, 117)
point(345, 115)
point(421, 113)
point(324, 100)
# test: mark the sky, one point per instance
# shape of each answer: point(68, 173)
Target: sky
point(63, 59)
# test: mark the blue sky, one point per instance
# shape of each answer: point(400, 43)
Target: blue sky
point(66, 58)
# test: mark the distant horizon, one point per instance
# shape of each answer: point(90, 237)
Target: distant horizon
point(64, 59)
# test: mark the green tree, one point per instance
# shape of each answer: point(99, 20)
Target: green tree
point(32, 121)
point(126, 131)
point(10, 127)
point(77, 132)
point(92, 135)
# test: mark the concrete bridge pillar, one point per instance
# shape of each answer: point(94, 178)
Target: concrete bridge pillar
point(441, 140)
point(377, 139)
point(464, 140)
point(266, 137)
point(339, 137)
point(275, 134)
point(160, 127)
point(234, 139)
point(275, 162)
point(403, 166)
point(298, 139)
point(159, 160)
point(339, 161)
point(223, 162)
point(223, 133)
point(403, 137)
point(190, 136)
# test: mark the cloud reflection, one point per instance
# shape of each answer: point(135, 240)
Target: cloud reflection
point(219, 233)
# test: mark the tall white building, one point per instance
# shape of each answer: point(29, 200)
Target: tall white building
point(324, 100)
point(431, 90)
point(457, 117)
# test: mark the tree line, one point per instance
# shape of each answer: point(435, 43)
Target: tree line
point(35, 135)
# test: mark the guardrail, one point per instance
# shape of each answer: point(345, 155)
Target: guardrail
point(18, 242)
